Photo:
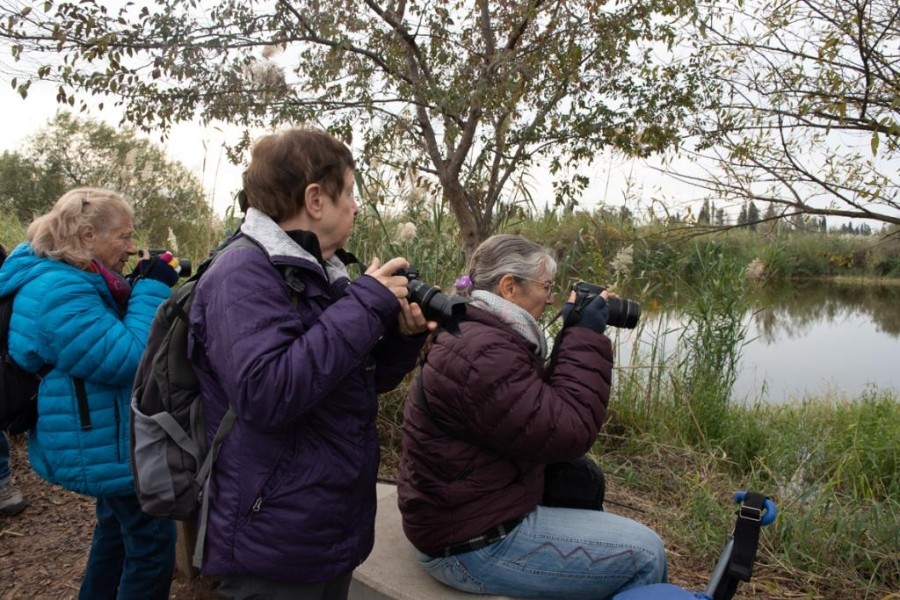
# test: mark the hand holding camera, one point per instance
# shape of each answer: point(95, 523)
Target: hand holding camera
point(181, 265)
point(389, 275)
point(445, 310)
point(161, 266)
point(435, 306)
point(590, 309)
point(594, 315)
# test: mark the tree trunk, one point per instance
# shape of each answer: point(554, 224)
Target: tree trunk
point(469, 231)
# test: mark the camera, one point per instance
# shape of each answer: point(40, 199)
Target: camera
point(184, 263)
point(436, 306)
point(622, 312)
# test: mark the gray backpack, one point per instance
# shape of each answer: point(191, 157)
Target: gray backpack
point(169, 455)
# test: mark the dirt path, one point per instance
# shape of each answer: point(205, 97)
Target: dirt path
point(43, 550)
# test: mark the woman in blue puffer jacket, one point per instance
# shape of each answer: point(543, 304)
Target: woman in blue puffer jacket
point(75, 313)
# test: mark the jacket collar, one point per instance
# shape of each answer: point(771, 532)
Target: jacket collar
point(279, 245)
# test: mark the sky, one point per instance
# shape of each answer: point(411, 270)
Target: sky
point(201, 149)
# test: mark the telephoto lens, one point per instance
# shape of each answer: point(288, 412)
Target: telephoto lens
point(623, 312)
point(436, 306)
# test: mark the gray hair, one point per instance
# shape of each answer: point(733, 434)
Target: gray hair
point(57, 234)
point(506, 254)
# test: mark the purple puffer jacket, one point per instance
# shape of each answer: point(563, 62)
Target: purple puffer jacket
point(293, 488)
point(496, 418)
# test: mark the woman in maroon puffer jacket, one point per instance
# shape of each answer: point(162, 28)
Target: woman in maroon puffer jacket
point(482, 420)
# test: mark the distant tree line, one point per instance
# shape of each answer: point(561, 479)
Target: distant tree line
point(171, 208)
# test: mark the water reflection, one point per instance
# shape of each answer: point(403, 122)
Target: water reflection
point(813, 339)
point(792, 310)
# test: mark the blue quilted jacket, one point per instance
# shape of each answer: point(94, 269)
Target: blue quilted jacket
point(293, 489)
point(66, 317)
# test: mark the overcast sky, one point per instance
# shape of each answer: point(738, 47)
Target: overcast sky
point(201, 149)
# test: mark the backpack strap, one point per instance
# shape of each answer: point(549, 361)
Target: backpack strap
point(84, 415)
point(203, 475)
point(294, 283)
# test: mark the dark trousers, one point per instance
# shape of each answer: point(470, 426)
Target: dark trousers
point(132, 554)
point(249, 587)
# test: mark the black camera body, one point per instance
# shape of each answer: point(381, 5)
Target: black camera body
point(622, 312)
point(184, 263)
point(436, 306)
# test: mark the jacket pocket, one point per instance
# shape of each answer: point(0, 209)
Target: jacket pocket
point(272, 481)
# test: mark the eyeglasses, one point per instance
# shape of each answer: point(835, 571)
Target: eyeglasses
point(549, 286)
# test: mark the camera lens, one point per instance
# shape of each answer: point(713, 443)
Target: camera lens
point(623, 313)
point(185, 264)
point(436, 306)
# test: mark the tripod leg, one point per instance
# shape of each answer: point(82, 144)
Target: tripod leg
point(715, 580)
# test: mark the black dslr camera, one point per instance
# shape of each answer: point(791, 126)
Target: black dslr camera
point(184, 263)
point(436, 306)
point(622, 312)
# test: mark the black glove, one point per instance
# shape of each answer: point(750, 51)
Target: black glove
point(155, 268)
point(594, 316)
point(568, 317)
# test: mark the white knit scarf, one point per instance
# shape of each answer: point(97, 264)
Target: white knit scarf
point(513, 315)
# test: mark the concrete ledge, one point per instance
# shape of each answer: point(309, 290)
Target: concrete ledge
point(392, 571)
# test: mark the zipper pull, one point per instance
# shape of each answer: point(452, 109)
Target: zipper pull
point(255, 509)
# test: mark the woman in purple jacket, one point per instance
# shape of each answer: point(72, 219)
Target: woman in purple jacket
point(482, 420)
point(282, 336)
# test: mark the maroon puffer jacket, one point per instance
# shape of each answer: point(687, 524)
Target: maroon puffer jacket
point(500, 420)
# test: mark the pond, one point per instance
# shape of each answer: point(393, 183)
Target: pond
point(803, 339)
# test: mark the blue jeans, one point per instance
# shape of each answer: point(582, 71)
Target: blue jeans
point(132, 554)
point(4, 459)
point(559, 553)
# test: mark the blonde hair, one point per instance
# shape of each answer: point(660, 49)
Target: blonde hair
point(57, 234)
point(504, 254)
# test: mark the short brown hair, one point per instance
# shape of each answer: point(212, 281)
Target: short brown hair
point(283, 165)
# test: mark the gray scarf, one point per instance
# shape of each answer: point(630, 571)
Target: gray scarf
point(513, 315)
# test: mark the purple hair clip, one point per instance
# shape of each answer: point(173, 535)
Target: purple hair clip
point(464, 282)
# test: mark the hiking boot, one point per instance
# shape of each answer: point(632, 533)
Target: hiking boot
point(11, 500)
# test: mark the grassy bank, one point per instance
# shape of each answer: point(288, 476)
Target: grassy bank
point(829, 464)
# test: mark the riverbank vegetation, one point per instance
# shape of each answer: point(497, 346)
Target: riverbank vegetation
point(829, 462)
point(675, 439)
point(675, 436)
